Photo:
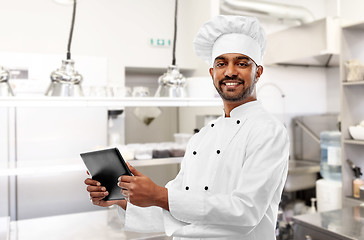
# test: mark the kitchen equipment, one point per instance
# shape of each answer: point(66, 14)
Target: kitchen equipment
point(66, 81)
point(357, 132)
point(177, 150)
point(140, 91)
point(5, 88)
point(354, 70)
point(328, 194)
point(172, 83)
point(144, 152)
point(147, 114)
point(182, 138)
point(312, 209)
point(331, 155)
point(115, 130)
point(357, 182)
point(162, 150)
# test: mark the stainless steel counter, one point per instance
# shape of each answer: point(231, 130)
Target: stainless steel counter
point(345, 223)
point(96, 225)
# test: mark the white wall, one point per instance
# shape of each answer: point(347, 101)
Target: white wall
point(351, 11)
point(304, 88)
point(333, 89)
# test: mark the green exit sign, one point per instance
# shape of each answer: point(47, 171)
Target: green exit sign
point(160, 42)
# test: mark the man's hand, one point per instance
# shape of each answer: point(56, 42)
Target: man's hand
point(141, 191)
point(98, 192)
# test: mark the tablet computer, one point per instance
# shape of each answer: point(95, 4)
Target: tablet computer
point(106, 166)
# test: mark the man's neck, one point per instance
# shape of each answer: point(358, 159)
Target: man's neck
point(229, 105)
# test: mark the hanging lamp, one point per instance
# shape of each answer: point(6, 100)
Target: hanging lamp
point(172, 83)
point(5, 88)
point(66, 81)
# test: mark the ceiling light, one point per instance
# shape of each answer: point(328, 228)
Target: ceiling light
point(172, 83)
point(65, 81)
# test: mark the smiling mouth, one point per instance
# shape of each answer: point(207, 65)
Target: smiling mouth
point(231, 83)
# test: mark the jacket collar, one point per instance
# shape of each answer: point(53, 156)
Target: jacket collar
point(244, 108)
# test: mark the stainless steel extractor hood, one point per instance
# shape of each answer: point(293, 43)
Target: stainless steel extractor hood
point(313, 44)
point(267, 9)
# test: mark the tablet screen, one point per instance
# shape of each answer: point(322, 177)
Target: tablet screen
point(106, 166)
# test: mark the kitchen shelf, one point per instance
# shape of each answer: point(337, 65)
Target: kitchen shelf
point(154, 70)
point(353, 83)
point(112, 102)
point(352, 141)
point(71, 165)
point(352, 102)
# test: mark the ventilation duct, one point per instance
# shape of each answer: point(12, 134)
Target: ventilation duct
point(267, 10)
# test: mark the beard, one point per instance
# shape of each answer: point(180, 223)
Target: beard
point(238, 97)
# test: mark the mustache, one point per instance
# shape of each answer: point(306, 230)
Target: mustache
point(231, 78)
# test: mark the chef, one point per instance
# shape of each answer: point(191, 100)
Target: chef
point(234, 170)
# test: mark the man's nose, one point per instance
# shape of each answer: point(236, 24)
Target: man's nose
point(230, 70)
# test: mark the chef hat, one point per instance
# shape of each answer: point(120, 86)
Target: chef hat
point(230, 34)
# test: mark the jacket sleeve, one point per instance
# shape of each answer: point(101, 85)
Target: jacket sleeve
point(150, 219)
point(260, 183)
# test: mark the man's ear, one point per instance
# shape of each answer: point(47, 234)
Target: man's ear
point(211, 71)
point(259, 73)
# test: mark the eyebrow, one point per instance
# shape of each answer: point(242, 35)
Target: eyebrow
point(242, 57)
point(239, 58)
point(219, 58)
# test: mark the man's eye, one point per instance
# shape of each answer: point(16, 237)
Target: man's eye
point(243, 64)
point(220, 64)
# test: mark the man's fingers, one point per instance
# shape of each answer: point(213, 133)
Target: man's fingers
point(97, 201)
point(100, 195)
point(124, 185)
point(133, 170)
point(92, 182)
point(126, 178)
point(95, 188)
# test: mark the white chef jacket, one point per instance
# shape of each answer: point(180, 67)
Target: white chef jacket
point(230, 183)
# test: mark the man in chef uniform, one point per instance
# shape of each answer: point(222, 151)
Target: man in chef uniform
point(234, 170)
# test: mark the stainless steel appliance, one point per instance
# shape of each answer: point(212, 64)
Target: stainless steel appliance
point(65, 81)
point(5, 88)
